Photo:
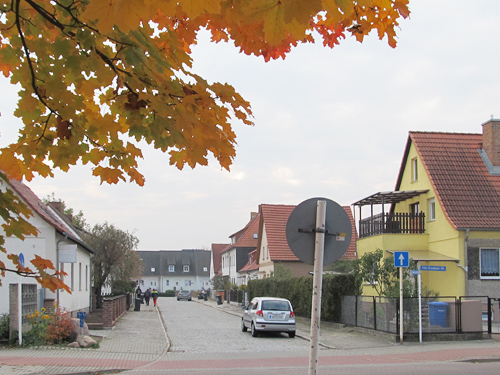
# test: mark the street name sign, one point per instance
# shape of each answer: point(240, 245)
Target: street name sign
point(433, 268)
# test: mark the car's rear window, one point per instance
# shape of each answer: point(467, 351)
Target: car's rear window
point(276, 305)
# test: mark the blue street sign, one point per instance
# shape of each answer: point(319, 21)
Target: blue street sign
point(401, 259)
point(415, 273)
point(433, 268)
point(21, 259)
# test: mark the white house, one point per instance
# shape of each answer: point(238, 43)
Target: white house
point(58, 242)
point(175, 270)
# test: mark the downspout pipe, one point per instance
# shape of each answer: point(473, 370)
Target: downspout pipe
point(57, 261)
point(466, 267)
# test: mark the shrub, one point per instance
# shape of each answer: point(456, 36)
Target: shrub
point(4, 327)
point(60, 327)
point(37, 333)
point(167, 293)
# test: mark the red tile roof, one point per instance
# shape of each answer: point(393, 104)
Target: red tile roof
point(245, 237)
point(252, 264)
point(274, 217)
point(51, 216)
point(350, 253)
point(217, 249)
point(468, 194)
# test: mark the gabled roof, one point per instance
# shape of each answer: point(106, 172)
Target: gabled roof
point(468, 194)
point(49, 214)
point(156, 263)
point(274, 217)
point(247, 237)
point(350, 253)
point(252, 264)
point(217, 249)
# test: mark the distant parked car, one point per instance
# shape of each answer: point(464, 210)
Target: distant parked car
point(184, 294)
point(269, 314)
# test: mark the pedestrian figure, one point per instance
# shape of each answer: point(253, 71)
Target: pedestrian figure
point(147, 295)
point(154, 294)
point(138, 291)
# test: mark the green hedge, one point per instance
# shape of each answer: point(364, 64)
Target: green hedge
point(167, 293)
point(299, 292)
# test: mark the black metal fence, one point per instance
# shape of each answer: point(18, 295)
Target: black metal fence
point(395, 222)
point(472, 314)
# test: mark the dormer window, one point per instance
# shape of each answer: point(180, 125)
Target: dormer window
point(185, 268)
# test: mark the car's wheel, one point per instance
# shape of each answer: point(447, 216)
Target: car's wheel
point(291, 334)
point(178, 299)
point(243, 326)
point(254, 331)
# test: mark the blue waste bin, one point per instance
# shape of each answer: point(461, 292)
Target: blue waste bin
point(438, 314)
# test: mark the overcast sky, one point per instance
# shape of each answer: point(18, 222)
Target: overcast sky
point(328, 123)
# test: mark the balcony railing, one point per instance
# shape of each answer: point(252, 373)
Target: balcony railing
point(402, 223)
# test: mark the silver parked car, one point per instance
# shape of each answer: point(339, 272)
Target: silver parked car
point(269, 314)
point(184, 294)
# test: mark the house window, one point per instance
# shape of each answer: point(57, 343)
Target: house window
point(153, 269)
point(168, 282)
point(171, 268)
point(86, 278)
point(432, 209)
point(415, 209)
point(205, 269)
point(414, 170)
point(185, 268)
point(80, 277)
point(490, 263)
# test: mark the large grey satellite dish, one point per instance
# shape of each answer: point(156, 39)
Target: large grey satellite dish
point(301, 231)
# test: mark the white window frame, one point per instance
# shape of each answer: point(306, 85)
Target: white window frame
point(185, 268)
point(432, 209)
point(480, 263)
point(414, 169)
point(171, 268)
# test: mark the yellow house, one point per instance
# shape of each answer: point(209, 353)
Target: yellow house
point(445, 211)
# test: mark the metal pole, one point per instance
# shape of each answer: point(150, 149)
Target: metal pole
point(317, 285)
point(419, 304)
point(401, 305)
point(19, 311)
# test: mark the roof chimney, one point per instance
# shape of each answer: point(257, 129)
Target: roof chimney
point(491, 141)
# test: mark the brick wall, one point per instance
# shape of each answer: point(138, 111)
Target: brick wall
point(112, 309)
point(491, 141)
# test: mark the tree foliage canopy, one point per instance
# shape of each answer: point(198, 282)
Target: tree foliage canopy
point(379, 272)
point(99, 78)
point(114, 256)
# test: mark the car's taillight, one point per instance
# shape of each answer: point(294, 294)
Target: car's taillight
point(259, 313)
point(292, 314)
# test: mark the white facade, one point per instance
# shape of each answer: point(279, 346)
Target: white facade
point(45, 246)
point(229, 266)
